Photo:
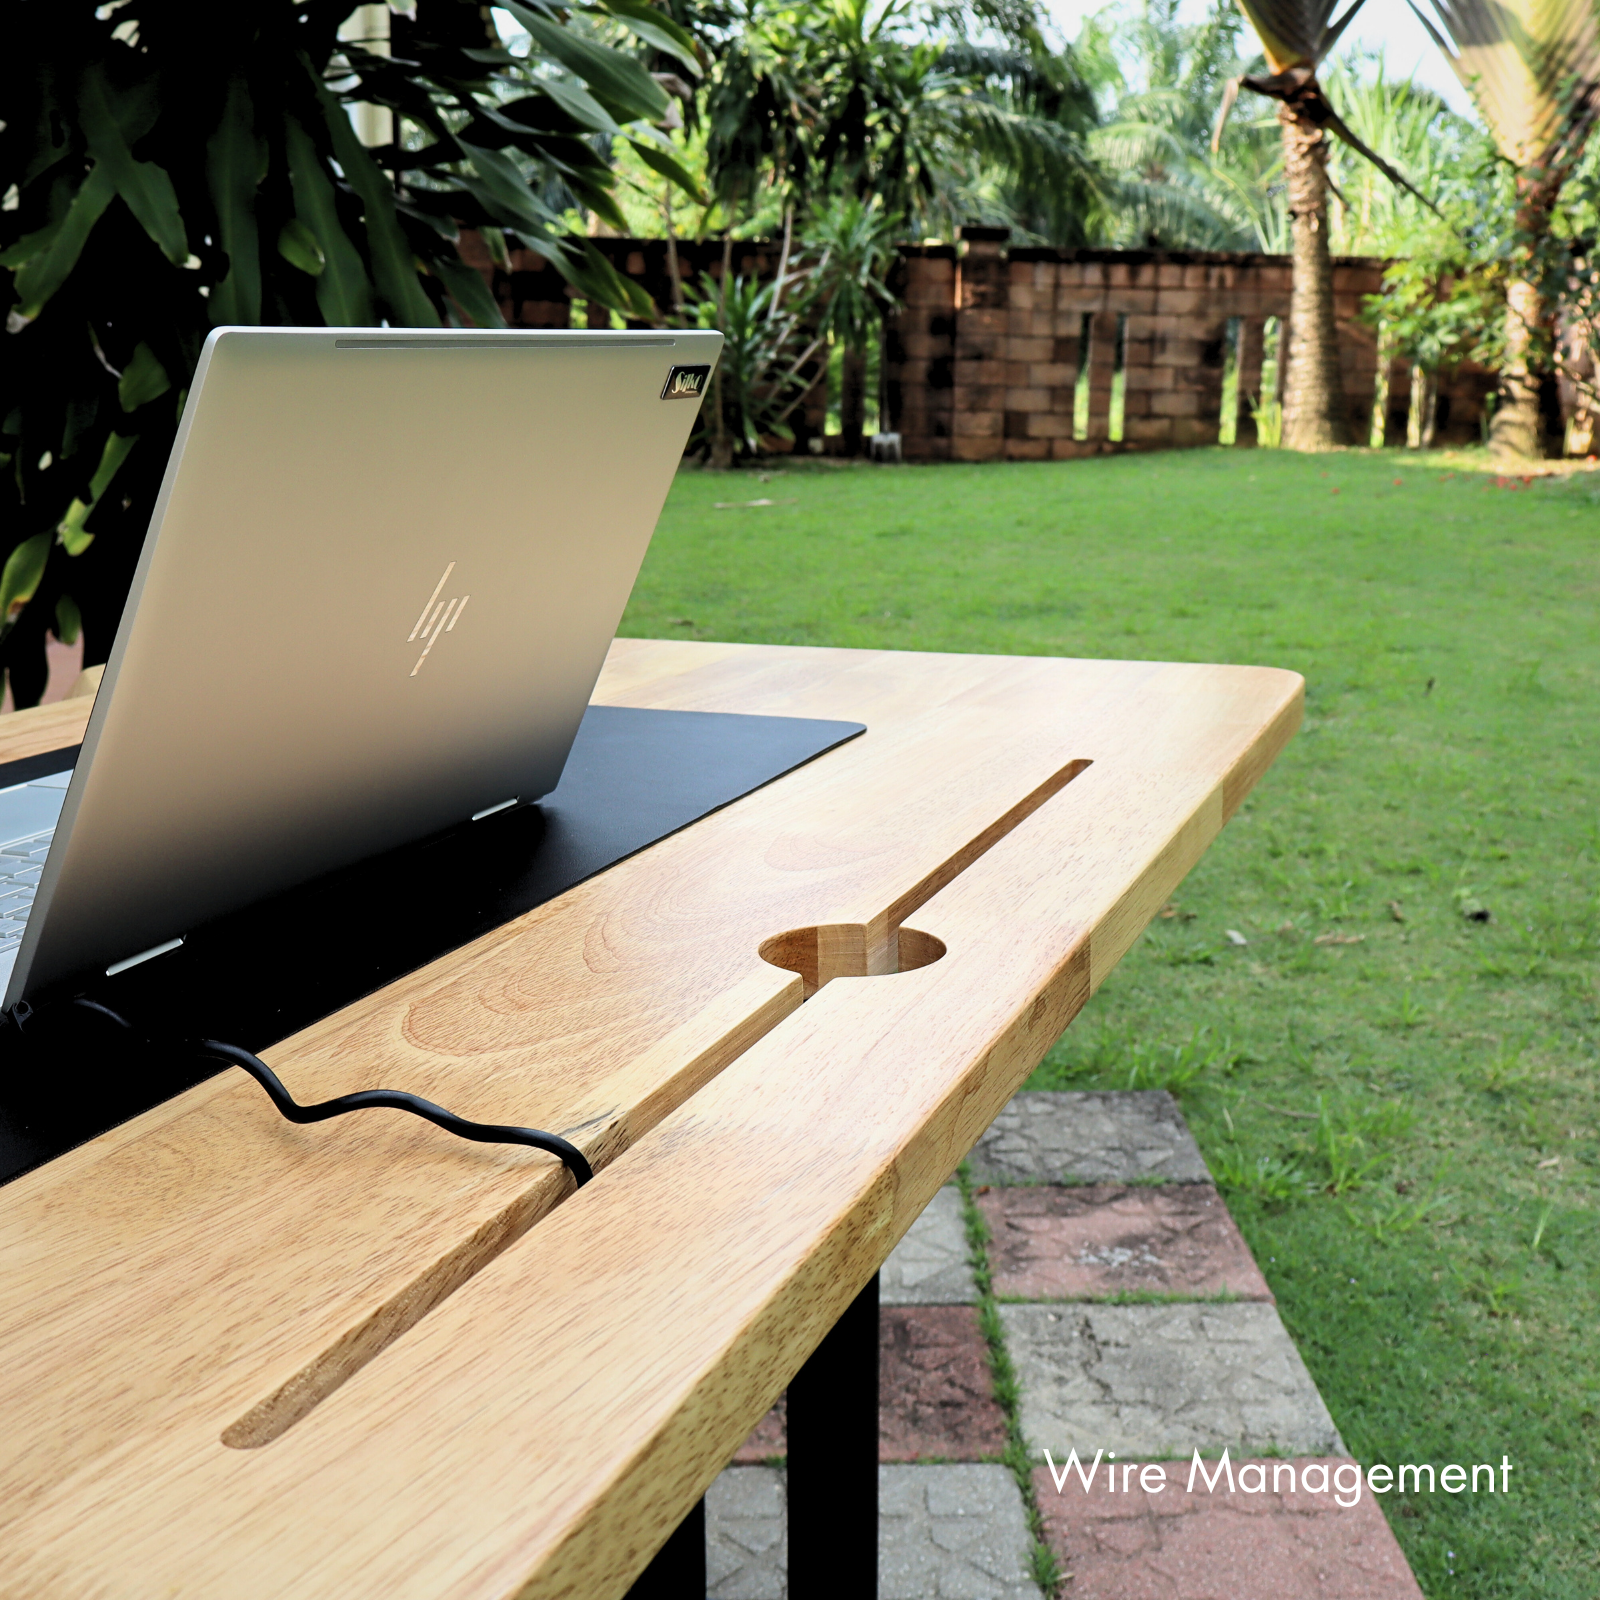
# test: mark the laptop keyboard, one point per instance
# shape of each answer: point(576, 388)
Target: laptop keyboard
point(28, 813)
point(21, 865)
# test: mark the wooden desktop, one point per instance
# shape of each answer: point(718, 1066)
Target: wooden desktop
point(241, 1358)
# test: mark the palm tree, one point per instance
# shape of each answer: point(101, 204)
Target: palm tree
point(1030, 115)
point(1533, 68)
point(1296, 36)
point(849, 101)
point(1159, 80)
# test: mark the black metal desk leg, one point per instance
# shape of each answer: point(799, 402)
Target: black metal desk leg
point(678, 1571)
point(833, 1461)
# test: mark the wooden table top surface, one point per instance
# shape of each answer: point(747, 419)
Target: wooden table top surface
point(241, 1358)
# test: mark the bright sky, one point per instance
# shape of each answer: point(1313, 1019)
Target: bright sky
point(1385, 24)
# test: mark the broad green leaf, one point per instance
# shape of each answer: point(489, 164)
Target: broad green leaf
point(23, 569)
point(531, 223)
point(534, 115)
point(580, 105)
point(71, 534)
point(439, 221)
point(537, 112)
point(608, 73)
point(143, 185)
point(344, 293)
point(500, 181)
point(469, 291)
point(599, 200)
point(592, 273)
point(669, 166)
point(70, 531)
point(236, 162)
point(297, 244)
point(655, 28)
point(69, 620)
point(143, 380)
point(111, 459)
point(62, 191)
point(47, 271)
point(31, 245)
point(394, 262)
point(495, 242)
point(598, 277)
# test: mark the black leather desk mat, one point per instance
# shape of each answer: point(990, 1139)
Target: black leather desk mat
point(634, 776)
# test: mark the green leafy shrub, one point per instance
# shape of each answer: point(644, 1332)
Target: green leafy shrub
point(166, 171)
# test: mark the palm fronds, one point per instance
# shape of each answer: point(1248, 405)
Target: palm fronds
point(1414, 129)
point(1532, 67)
point(1297, 34)
point(1158, 75)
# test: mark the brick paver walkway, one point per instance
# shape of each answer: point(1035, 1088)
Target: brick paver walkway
point(1089, 1198)
point(1260, 1545)
point(1101, 1241)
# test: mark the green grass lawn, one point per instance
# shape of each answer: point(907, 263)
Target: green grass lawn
point(1399, 1100)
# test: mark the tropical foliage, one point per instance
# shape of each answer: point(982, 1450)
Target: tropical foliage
point(1444, 155)
point(1158, 81)
point(161, 178)
point(318, 164)
point(1296, 37)
point(1533, 69)
point(872, 99)
point(777, 333)
point(838, 127)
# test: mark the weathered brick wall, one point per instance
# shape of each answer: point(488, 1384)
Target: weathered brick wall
point(986, 357)
point(919, 343)
point(982, 362)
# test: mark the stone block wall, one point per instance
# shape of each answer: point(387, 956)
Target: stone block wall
point(985, 358)
point(993, 347)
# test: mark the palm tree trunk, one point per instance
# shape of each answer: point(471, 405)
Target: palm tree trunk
point(1313, 403)
point(1516, 430)
point(852, 400)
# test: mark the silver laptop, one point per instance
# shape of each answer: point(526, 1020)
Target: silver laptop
point(379, 584)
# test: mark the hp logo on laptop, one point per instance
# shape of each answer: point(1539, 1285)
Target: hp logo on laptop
point(438, 616)
point(685, 383)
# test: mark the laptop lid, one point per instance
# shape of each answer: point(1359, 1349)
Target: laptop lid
point(379, 585)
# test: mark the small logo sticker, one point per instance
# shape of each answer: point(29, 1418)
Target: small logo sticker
point(685, 383)
point(438, 616)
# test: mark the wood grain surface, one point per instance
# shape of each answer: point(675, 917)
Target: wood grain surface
point(32, 731)
point(240, 1358)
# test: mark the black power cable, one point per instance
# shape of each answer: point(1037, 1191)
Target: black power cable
point(372, 1099)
